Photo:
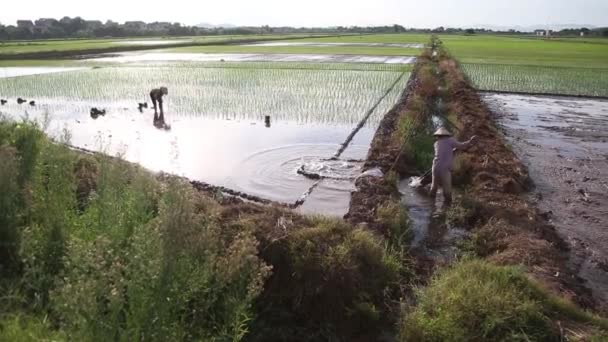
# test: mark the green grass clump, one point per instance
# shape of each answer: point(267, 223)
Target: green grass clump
point(477, 301)
point(329, 282)
point(28, 329)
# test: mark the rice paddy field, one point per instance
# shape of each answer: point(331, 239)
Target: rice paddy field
point(52, 45)
point(528, 64)
point(247, 124)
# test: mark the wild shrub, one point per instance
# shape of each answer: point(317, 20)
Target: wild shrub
point(10, 195)
point(176, 277)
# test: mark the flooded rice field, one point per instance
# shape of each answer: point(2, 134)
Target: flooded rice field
point(218, 131)
point(564, 143)
point(320, 44)
point(130, 57)
point(6, 72)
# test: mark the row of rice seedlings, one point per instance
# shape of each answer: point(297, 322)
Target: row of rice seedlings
point(324, 96)
point(275, 65)
point(538, 79)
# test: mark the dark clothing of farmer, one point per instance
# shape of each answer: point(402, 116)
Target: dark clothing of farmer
point(156, 95)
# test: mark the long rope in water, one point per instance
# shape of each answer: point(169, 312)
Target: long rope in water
point(350, 137)
point(366, 117)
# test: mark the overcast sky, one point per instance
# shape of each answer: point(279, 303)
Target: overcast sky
point(409, 13)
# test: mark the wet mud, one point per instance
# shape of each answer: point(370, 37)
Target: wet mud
point(564, 143)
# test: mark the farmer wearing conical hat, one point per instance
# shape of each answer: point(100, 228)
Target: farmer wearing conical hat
point(445, 146)
point(157, 97)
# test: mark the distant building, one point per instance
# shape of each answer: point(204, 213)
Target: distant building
point(582, 33)
point(540, 33)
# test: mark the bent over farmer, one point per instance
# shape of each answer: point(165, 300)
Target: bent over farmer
point(445, 146)
point(156, 95)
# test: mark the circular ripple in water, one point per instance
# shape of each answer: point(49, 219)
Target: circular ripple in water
point(273, 173)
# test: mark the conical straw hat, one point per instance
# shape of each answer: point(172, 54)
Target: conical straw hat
point(442, 131)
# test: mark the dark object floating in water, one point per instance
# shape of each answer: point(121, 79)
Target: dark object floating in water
point(3, 102)
point(141, 106)
point(32, 103)
point(20, 100)
point(95, 113)
point(267, 120)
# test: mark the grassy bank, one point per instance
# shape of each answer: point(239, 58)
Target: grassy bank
point(95, 249)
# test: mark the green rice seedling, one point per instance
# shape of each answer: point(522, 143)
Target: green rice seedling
point(538, 79)
point(316, 96)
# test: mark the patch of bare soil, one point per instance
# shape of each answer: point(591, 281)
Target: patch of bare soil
point(508, 227)
point(569, 165)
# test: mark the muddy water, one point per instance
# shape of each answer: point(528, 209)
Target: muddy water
point(6, 72)
point(564, 142)
point(240, 153)
point(433, 238)
point(130, 57)
point(319, 44)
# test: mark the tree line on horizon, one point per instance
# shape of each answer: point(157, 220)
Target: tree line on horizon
point(66, 27)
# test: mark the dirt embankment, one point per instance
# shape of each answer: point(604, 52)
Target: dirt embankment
point(504, 226)
point(507, 228)
point(371, 191)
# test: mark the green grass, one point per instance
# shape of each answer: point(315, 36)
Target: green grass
point(374, 38)
point(484, 49)
point(535, 79)
point(477, 301)
point(339, 50)
point(527, 64)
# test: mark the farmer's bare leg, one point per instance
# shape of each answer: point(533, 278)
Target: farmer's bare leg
point(446, 186)
point(162, 114)
point(435, 183)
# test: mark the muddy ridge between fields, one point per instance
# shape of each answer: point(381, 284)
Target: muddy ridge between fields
point(509, 227)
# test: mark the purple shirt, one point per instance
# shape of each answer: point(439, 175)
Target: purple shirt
point(444, 152)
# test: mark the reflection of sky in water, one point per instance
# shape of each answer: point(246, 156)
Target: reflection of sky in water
point(242, 154)
point(571, 125)
point(6, 72)
point(225, 142)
